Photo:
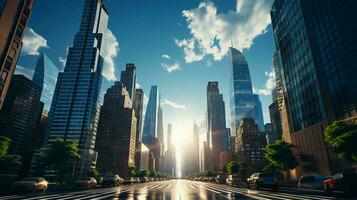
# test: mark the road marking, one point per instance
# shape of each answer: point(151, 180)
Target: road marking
point(169, 186)
point(192, 186)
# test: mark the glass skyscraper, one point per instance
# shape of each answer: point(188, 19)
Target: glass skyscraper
point(151, 121)
point(76, 102)
point(243, 102)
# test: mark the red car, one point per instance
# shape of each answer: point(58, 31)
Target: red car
point(346, 182)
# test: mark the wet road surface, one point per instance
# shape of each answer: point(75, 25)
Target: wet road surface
point(172, 189)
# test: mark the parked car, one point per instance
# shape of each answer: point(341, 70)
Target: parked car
point(112, 180)
point(137, 179)
point(30, 184)
point(232, 180)
point(262, 180)
point(151, 179)
point(129, 180)
point(86, 183)
point(144, 179)
point(346, 182)
point(312, 182)
point(221, 179)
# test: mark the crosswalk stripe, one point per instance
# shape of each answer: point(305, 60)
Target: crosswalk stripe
point(192, 186)
point(248, 195)
point(169, 186)
point(11, 197)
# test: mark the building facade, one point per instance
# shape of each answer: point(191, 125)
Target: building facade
point(216, 123)
point(250, 143)
point(115, 142)
point(128, 78)
point(14, 17)
point(317, 53)
point(151, 116)
point(243, 102)
point(76, 102)
point(138, 107)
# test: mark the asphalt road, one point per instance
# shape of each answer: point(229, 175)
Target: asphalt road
point(173, 189)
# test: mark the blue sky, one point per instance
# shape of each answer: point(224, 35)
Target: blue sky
point(148, 30)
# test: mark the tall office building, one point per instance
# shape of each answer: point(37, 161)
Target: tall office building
point(128, 78)
point(216, 122)
point(316, 41)
point(150, 129)
point(195, 148)
point(243, 102)
point(76, 102)
point(250, 143)
point(169, 156)
point(269, 133)
point(21, 114)
point(115, 142)
point(138, 107)
point(14, 16)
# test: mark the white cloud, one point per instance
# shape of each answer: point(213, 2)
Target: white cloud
point(166, 56)
point(212, 33)
point(269, 84)
point(24, 71)
point(32, 42)
point(173, 104)
point(63, 60)
point(110, 52)
point(171, 67)
point(137, 85)
point(209, 63)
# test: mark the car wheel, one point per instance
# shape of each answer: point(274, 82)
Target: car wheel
point(248, 186)
point(257, 186)
point(327, 189)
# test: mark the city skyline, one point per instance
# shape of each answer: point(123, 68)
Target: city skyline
point(150, 72)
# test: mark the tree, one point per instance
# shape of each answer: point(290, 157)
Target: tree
point(243, 169)
point(93, 173)
point(152, 174)
point(280, 156)
point(233, 167)
point(131, 171)
point(8, 162)
point(144, 173)
point(225, 169)
point(61, 156)
point(342, 137)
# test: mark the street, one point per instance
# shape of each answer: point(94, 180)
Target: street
point(174, 189)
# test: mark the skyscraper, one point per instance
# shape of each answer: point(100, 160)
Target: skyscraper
point(169, 156)
point(115, 141)
point(150, 129)
point(216, 122)
point(243, 102)
point(21, 114)
point(14, 16)
point(138, 107)
point(318, 73)
point(128, 78)
point(76, 102)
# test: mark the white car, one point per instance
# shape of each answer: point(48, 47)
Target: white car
point(312, 182)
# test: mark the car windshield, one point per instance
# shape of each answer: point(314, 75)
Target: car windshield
point(109, 177)
point(31, 179)
point(265, 175)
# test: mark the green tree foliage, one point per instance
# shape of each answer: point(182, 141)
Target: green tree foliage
point(93, 173)
point(8, 162)
point(152, 174)
point(144, 173)
point(4, 145)
point(243, 169)
point(280, 156)
point(342, 137)
point(225, 169)
point(233, 167)
point(61, 156)
point(131, 171)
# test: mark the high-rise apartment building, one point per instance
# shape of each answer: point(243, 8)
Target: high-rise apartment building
point(250, 143)
point(76, 102)
point(115, 141)
point(243, 102)
point(14, 16)
point(316, 42)
point(138, 107)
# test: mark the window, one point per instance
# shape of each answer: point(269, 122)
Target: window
point(8, 63)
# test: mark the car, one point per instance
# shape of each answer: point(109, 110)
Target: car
point(151, 179)
point(144, 179)
point(346, 182)
point(30, 184)
point(137, 179)
point(211, 179)
point(112, 180)
point(232, 180)
point(86, 183)
point(312, 182)
point(129, 180)
point(262, 180)
point(221, 179)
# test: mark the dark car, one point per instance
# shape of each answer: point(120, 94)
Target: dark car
point(262, 180)
point(144, 179)
point(30, 184)
point(312, 182)
point(112, 180)
point(232, 180)
point(86, 183)
point(129, 180)
point(221, 179)
point(346, 182)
